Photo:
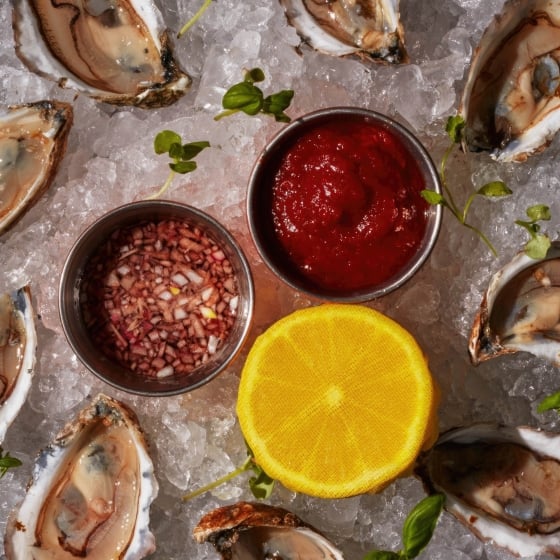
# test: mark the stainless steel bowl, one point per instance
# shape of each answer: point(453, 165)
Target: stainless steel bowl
point(259, 203)
point(73, 321)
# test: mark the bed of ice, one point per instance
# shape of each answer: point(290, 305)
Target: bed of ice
point(195, 437)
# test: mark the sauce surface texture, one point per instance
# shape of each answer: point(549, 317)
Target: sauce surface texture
point(346, 205)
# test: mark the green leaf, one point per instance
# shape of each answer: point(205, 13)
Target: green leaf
point(188, 151)
point(176, 152)
point(243, 96)
point(382, 555)
point(494, 189)
point(276, 103)
point(7, 462)
point(183, 166)
point(432, 197)
point(455, 127)
point(538, 246)
point(164, 140)
point(261, 485)
point(539, 212)
point(551, 402)
point(420, 524)
point(254, 75)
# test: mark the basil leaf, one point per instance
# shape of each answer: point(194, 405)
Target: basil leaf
point(432, 197)
point(164, 140)
point(420, 524)
point(254, 75)
point(382, 555)
point(183, 166)
point(537, 248)
point(245, 97)
point(188, 151)
point(551, 402)
point(495, 188)
point(539, 212)
point(455, 127)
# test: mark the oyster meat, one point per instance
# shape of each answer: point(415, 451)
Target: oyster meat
point(503, 483)
point(117, 51)
point(18, 345)
point(32, 144)
point(90, 493)
point(254, 531)
point(370, 29)
point(520, 310)
point(510, 102)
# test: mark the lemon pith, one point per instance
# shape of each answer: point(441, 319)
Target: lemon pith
point(336, 400)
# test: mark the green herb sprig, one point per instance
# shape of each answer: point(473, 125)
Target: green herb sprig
point(169, 142)
point(538, 245)
point(551, 402)
point(261, 484)
point(249, 99)
point(194, 19)
point(7, 462)
point(419, 526)
point(455, 128)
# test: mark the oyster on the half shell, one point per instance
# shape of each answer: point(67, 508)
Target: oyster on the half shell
point(511, 102)
point(370, 29)
point(18, 345)
point(253, 531)
point(520, 310)
point(503, 483)
point(32, 143)
point(90, 493)
point(117, 51)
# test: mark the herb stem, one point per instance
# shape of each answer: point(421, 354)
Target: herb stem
point(244, 467)
point(483, 237)
point(467, 206)
point(448, 192)
point(194, 19)
point(164, 187)
point(226, 113)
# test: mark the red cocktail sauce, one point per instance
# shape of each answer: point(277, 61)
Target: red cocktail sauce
point(346, 205)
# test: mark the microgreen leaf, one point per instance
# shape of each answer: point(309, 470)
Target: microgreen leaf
point(432, 197)
point(248, 98)
point(261, 484)
point(455, 127)
point(420, 524)
point(537, 247)
point(551, 402)
point(164, 140)
point(169, 142)
point(494, 189)
point(276, 103)
point(7, 462)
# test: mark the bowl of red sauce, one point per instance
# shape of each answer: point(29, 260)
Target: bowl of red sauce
point(156, 298)
point(334, 204)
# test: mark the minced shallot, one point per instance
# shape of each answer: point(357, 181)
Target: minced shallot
point(159, 298)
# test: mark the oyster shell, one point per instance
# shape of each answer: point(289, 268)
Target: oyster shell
point(370, 29)
point(520, 310)
point(253, 531)
point(510, 102)
point(18, 345)
point(90, 493)
point(117, 51)
point(32, 144)
point(503, 483)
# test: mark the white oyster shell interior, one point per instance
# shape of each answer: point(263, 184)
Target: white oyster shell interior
point(370, 29)
point(510, 102)
point(117, 51)
point(502, 482)
point(91, 492)
point(32, 144)
point(18, 346)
